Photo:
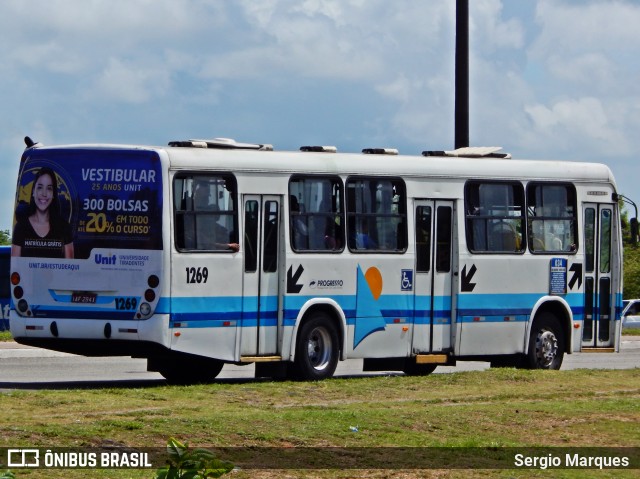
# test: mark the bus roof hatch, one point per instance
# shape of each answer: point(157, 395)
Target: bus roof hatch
point(319, 149)
point(380, 151)
point(221, 143)
point(471, 152)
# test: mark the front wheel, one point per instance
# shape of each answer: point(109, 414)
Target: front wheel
point(546, 343)
point(316, 349)
point(411, 368)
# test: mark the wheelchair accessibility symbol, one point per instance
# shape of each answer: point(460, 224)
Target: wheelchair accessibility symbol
point(406, 283)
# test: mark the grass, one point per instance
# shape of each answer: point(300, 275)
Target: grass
point(499, 407)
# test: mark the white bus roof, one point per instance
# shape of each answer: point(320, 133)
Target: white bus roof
point(447, 165)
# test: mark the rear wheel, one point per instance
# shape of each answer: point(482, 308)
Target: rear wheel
point(546, 343)
point(316, 349)
point(187, 369)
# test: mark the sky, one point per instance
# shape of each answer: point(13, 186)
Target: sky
point(549, 79)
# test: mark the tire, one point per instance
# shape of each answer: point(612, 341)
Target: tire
point(411, 368)
point(317, 349)
point(185, 370)
point(546, 343)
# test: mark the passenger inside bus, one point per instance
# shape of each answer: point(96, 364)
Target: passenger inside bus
point(330, 240)
point(363, 239)
point(300, 231)
point(210, 234)
point(504, 237)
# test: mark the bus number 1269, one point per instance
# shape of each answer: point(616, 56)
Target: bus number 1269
point(197, 275)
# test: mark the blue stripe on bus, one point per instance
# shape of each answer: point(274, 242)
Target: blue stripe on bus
point(204, 312)
point(471, 308)
point(493, 319)
point(214, 321)
point(521, 304)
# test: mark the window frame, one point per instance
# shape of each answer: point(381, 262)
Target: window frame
point(572, 201)
point(471, 217)
point(355, 218)
point(184, 207)
point(333, 235)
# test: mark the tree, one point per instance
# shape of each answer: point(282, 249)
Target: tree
point(5, 237)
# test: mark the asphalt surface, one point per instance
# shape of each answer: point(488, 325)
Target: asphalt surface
point(25, 367)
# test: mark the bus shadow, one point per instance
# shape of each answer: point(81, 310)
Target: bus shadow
point(152, 383)
point(57, 385)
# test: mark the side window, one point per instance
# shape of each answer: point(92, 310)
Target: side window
point(443, 239)
point(270, 228)
point(376, 215)
point(494, 217)
point(589, 240)
point(205, 212)
point(634, 309)
point(423, 239)
point(316, 214)
point(552, 218)
point(605, 241)
point(251, 226)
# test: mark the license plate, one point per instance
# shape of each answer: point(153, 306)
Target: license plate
point(82, 297)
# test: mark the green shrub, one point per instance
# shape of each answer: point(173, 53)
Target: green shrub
point(185, 463)
point(631, 271)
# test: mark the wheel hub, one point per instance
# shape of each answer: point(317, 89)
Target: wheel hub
point(319, 348)
point(546, 347)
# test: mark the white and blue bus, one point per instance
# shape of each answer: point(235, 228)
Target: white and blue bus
point(203, 253)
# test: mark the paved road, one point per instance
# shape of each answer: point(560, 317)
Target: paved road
point(23, 367)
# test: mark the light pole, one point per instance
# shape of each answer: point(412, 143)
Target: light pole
point(462, 75)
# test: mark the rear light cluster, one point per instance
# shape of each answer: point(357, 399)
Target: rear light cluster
point(145, 307)
point(149, 295)
point(21, 304)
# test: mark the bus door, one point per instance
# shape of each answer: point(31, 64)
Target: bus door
point(261, 294)
point(599, 288)
point(433, 235)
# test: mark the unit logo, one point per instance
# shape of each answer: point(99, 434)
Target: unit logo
point(104, 259)
point(326, 284)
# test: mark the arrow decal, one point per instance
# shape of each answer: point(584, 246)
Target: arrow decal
point(466, 286)
point(292, 280)
point(576, 268)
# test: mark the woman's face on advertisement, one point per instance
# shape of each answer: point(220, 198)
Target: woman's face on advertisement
point(43, 192)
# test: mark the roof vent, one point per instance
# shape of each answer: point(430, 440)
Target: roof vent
point(220, 144)
point(380, 151)
point(320, 149)
point(471, 152)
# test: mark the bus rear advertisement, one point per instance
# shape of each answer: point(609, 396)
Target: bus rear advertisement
point(207, 252)
point(103, 247)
